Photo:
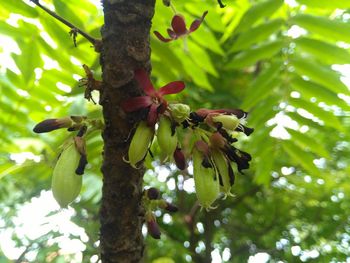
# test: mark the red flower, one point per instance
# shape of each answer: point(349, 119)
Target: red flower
point(179, 28)
point(154, 99)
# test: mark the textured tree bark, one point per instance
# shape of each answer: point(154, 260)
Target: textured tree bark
point(125, 38)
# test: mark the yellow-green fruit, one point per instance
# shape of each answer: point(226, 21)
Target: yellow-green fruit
point(229, 122)
point(223, 169)
point(140, 143)
point(207, 184)
point(66, 184)
point(167, 142)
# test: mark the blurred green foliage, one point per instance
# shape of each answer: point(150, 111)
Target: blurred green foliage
point(272, 58)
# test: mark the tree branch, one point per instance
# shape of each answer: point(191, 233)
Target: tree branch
point(74, 29)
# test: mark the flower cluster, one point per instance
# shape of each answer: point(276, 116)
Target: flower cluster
point(214, 134)
point(151, 201)
point(72, 160)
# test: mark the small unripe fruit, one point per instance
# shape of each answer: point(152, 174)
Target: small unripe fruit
point(66, 184)
point(229, 122)
point(167, 141)
point(140, 143)
point(223, 169)
point(206, 182)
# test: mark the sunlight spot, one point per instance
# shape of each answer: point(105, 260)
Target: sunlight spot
point(307, 179)
point(287, 170)
point(20, 158)
point(189, 185)
point(304, 129)
point(49, 63)
point(171, 184)
point(63, 87)
point(295, 94)
point(46, 37)
point(215, 255)
point(296, 31)
point(296, 250)
point(291, 3)
point(259, 258)
point(167, 219)
point(48, 108)
point(22, 93)
point(200, 228)
point(320, 181)
point(226, 254)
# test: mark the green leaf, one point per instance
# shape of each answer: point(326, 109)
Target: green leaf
point(65, 11)
point(28, 60)
point(253, 55)
point(202, 59)
point(326, 4)
point(323, 26)
point(256, 12)
point(264, 165)
point(206, 38)
point(304, 121)
point(328, 118)
point(167, 55)
point(20, 7)
point(256, 34)
point(309, 89)
point(300, 156)
point(262, 86)
point(320, 74)
point(325, 52)
point(308, 143)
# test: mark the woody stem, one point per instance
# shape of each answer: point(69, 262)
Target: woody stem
point(94, 41)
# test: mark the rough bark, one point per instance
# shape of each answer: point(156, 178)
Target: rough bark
point(125, 38)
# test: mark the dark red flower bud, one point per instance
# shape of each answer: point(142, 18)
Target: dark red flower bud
point(180, 159)
point(152, 193)
point(53, 124)
point(153, 228)
point(171, 208)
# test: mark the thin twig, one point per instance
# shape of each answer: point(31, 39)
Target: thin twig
point(221, 4)
point(74, 29)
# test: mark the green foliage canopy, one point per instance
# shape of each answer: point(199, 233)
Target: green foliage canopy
point(275, 59)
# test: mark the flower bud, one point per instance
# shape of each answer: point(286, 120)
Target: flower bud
point(229, 122)
point(53, 124)
point(152, 193)
point(180, 159)
point(217, 140)
point(166, 2)
point(167, 139)
point(179, 111)
point(152, 226)
point(66, 184)
point(171, 208)
point(140, 143)
point(206, 182)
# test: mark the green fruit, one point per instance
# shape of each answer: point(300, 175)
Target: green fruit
point(222, 168)
point(229, 122)
point(206, 182)
point(166, 141)
point(66, 184)
point(140, 143)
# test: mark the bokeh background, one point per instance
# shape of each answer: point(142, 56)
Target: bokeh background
point(285, 62)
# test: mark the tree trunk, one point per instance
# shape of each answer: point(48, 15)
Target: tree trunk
point(125, 37)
